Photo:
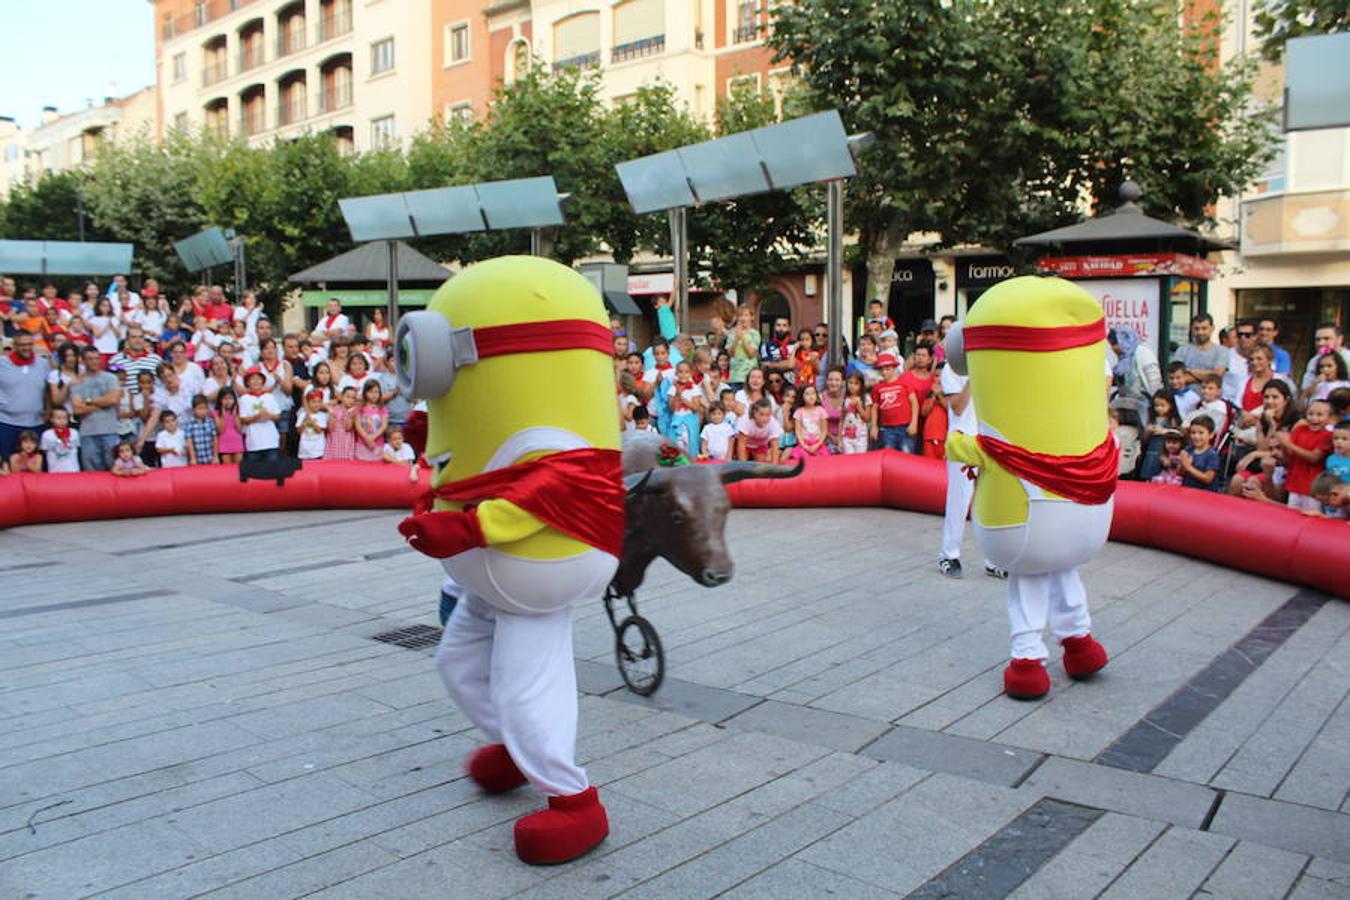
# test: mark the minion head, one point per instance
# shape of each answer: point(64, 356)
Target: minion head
point(1035, 350)
point(509, 344)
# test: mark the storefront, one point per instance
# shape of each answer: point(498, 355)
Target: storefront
point(1297, 312)
point(977, 274)
point(912, 293)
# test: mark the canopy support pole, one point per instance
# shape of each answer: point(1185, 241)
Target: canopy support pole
point(679, 250)
point(834, 268)
point(391, 312)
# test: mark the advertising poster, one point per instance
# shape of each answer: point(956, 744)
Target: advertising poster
point(1128, 303)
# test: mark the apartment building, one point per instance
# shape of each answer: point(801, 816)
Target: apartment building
point(1292, 228)
point(703, 48)
point(269, 69)
point(13, 141)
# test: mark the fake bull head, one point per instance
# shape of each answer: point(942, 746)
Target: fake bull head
point(680, 513)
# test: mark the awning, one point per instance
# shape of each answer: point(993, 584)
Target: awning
point(1123, 228)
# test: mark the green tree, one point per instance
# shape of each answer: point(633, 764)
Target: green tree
point(1279, 20)
point(48, 209)
point(993, 120)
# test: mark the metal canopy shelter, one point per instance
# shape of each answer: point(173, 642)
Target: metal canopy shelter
point(1124, 228)
point(370, 262)
point(802, 151)
point(64, 258)
point(532, 203)
point(1317, 82)
point(210, 248)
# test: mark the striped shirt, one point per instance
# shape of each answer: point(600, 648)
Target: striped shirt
point(131, 366)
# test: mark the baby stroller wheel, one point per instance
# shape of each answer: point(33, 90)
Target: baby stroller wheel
point(637, 649)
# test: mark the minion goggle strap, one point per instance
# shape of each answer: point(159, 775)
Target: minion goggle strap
point(430, 349)
point(961, 339)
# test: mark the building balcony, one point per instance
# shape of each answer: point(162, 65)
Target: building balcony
point(333, 99)
point(648, 46)
point(745, 34)
point(289, 42)
point(215, 73)
point(334, 26)
point(580, 61)
point(1307, 222)
point(202, 14)
point(251, 58)
point(289, 112)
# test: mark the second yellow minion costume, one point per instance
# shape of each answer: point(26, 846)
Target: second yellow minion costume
point(1034, 349)
point(513, 357)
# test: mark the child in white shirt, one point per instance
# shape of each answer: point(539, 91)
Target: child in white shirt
point(1211, 404)
point(312, 426)
point(258, 413)
point(399, 453)
point(171, 444)
point(61, 443)
point(716, 436)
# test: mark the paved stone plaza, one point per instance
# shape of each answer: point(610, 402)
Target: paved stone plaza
point(195, 706)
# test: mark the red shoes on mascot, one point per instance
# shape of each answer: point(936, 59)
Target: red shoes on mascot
point(1026, 679)
point(570, 827)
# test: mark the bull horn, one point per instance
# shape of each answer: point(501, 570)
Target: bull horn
point(733, 472)
point(636, 484)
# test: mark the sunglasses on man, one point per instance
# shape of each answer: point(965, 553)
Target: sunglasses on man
point(1246, 334)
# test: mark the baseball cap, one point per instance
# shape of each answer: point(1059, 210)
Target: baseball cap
point(928, 325)
point(887, 359)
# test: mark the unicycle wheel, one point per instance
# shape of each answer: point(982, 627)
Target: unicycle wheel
point(638, 652)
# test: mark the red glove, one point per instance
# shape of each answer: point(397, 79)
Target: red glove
point(444, 533)
point(415, 431)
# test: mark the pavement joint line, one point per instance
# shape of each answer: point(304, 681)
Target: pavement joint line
point(1003, 861)
point(292, 570)
point(1147, 743)
point(45, 564)
point(246, 534)
point(80, 604)
point(386, 554)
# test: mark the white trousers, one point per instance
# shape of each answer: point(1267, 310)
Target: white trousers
point(1033, 599)
point(960, 489)
point(514, 677)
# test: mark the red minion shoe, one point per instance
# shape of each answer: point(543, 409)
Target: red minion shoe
point(1026, 679)
point(493, 769)
point(570, 827)
point(1083, 656)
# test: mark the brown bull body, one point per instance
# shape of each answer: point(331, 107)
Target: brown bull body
point(679, 513)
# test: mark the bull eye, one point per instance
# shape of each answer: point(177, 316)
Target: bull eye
point(677, 517)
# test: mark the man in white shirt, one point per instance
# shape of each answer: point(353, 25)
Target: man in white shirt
point(960, 417)
point(332, 324)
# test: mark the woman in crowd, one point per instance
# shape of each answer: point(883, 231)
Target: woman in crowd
point(755, 388)
point(278, 375)
point(190, 374)
point(1136, 373)
point(150, 317)
point(377, 330)
point(743, 347)
point(78, 333)
point(219, 377)
point(248, 311)
point(1259, 460)
point(67, 372)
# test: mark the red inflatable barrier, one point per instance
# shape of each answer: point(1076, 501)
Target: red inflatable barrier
point(1261, 539)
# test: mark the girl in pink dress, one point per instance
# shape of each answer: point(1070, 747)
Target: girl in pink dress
point(371, 425)
point(832, 401)
point(227, 426)
point(341, 428)
point(810, 418)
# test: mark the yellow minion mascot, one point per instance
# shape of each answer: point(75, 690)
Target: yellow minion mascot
point(513, 357)
point(1034, 349)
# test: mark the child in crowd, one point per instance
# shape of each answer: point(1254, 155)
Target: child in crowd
point(1338, 463)
point(1169, 459)
point(342, 428)
point(896, 420)
point(358, 374)
point(1200, 466)
point(642, 420)
point(228, 426)
point(258, 413)
point(788, 442)
point(312, 426)
point(854, 426)
point(1333, 495)
point(717, 435)
point(203, 438)
point(27, 459)
point(323, 382)
point(1212, 404)
point(1306, 448)
point(727, 397)
point(685, 400)
point(809, 419)
point(170, 443)
point(628, 400)
point(757, 434)
point(1164, 418)
point(399, 453)
point(126, 464)
point(1187, 400)
point(371, 424)
point(61, 444)
point(805, 360)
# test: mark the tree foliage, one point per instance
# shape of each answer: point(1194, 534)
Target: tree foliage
point(1279, 20)
point(995, 120)
point(48, 209)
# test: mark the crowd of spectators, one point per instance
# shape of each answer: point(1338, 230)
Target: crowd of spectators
point(1224, 414)
point(115, 380)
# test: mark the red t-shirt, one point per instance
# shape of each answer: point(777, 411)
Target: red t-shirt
point(1299, 473)
point(892, 400)
point(220, 312)
point(919, 384)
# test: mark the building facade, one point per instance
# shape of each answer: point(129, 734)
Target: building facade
point(275, 69)
point(1292, 228)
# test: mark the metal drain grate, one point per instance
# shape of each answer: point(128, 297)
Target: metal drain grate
point(414, 637)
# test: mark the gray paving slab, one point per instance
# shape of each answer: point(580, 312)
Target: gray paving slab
point(1301, 829)
point(795, 878)
point(956, 755)
point(811, 726)
point(1092, 860)
point(1256, 871)
point(1148, 796)
point(1175, 865)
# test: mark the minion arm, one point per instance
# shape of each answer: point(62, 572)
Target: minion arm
point(963, 448)
point(503, 522)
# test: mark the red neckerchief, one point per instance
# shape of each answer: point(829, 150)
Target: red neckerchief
point(62, 435)
point(782, 346)
point(18, 360)
point(272, 368)
point(141, 355)
point(328, 322)
point(262, 393)
point(698, 378)
point(1088, 478)
point(664, 367)
point(81, 337)
point(577, 492)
